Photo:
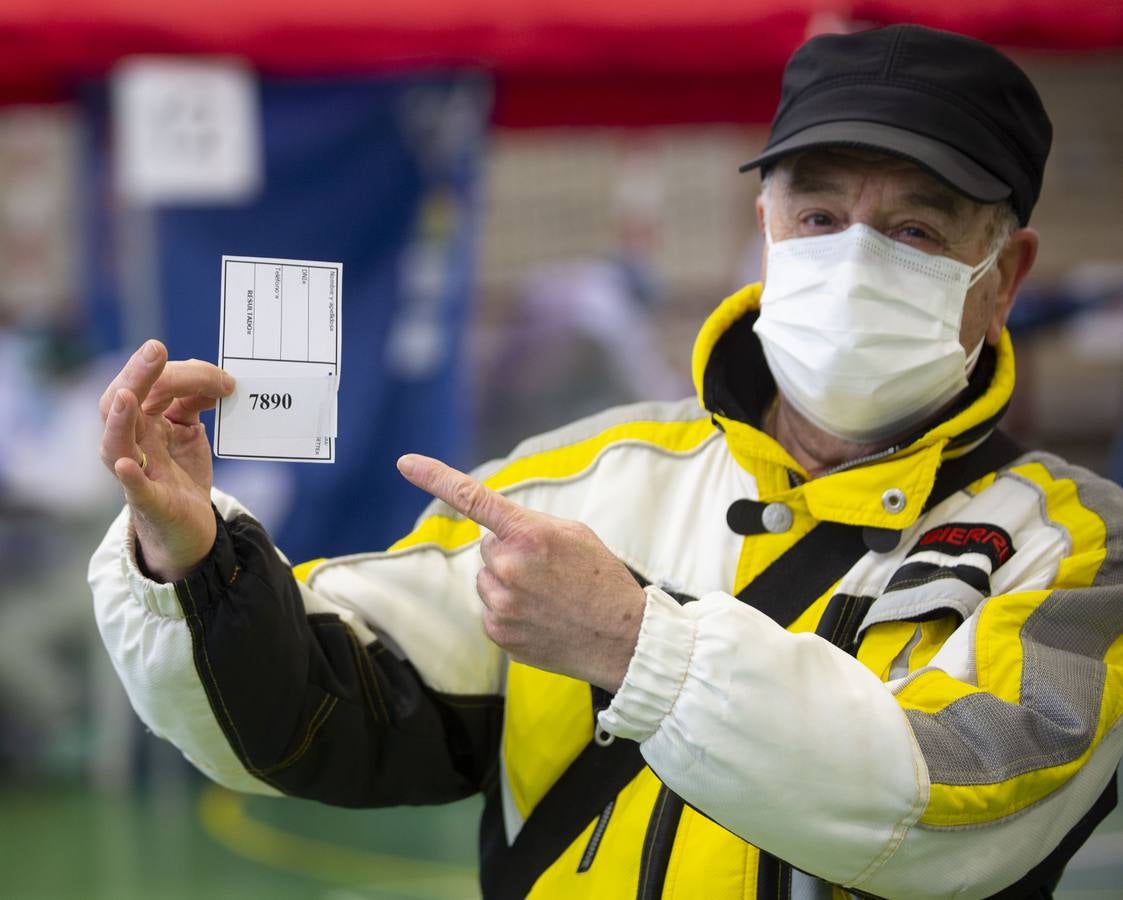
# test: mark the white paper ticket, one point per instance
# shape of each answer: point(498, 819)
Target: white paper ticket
point(280, 337)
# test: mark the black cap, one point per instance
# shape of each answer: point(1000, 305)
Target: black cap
point(953, 105)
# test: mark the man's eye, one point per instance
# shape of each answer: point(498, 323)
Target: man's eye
point(818, 220)
point(912, 234)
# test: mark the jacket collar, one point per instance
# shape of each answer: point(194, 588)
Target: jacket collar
point(735, 386)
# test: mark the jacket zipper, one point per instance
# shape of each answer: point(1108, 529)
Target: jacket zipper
point(862, 460)
point(657, 844)
point(595, 838)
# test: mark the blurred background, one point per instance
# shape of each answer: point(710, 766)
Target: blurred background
point(536, 204)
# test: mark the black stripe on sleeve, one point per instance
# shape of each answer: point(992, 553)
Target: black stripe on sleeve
point(308, 708)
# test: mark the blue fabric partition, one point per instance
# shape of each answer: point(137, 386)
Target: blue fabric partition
point(381, 175)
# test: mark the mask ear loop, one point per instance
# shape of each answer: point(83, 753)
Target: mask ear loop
point(982, 268)
point(973, 356)
point(977, 274)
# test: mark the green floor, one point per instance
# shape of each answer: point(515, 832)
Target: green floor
point(58, 843)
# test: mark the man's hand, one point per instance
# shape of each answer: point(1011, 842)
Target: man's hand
point(555, 597)
point(151, 414)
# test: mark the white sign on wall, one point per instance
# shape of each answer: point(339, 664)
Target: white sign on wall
point(186, 131)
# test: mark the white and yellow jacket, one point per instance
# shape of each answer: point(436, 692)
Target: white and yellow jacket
point(932, 724)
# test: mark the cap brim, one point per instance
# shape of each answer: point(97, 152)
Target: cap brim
point(945, 162)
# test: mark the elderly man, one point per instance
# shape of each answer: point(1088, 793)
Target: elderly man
point(827, 632)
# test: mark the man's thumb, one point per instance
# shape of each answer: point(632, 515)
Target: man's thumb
point(139, 490)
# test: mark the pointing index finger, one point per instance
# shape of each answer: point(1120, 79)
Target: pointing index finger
point(463, 493)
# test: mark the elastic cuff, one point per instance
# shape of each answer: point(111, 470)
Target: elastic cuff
point(656, 672)
point(161, 598)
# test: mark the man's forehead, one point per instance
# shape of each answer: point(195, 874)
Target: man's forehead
point(831, 169)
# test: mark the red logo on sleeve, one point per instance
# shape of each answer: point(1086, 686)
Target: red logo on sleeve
point(957, 538)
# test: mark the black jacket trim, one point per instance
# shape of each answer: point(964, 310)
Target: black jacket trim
point(311, 711)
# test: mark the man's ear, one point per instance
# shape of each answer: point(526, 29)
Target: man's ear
point(1014, 263)
point(760, 212)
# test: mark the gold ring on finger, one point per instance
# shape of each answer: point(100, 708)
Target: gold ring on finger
point(143, 459)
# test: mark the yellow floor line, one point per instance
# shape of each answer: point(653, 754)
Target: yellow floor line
point(224, 818)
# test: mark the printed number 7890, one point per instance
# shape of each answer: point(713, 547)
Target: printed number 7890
point(270, 401)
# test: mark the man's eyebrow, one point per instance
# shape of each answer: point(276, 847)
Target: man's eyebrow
point(940, 201)
point(804, 181)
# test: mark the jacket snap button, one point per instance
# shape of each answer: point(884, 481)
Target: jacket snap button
point(776, 518)
point(893, 500)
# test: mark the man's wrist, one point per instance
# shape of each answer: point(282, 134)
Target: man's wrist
point(656, 672)
point(162, 573)
point(165, 568)
point(625, 647)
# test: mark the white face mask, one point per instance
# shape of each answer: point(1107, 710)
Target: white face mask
point(861, 332)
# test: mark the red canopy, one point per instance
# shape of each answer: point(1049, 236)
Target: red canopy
point(556, 62)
